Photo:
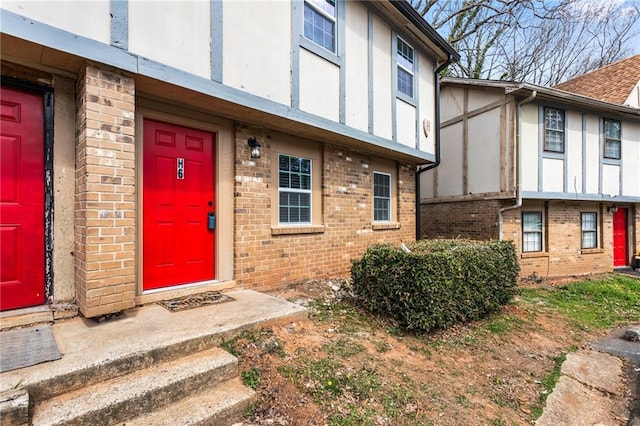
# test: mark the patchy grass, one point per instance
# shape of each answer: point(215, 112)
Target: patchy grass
point(592, 304)
point(346, 367)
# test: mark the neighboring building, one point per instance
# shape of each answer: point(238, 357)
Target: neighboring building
point(555, 172)
point(131, 131)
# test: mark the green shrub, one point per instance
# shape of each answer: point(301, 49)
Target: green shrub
point(439, 283)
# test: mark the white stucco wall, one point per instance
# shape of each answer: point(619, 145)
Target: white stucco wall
point(89, 19)
point(574, 152)
point(257, 48)
point(529, 146)
point(552, 175)
point(484, 152)
point(357, 66)
point(406, 123)
point(450, 172)
point(451, 102)
point(592, 163)
point(610, 179)
point(319, 86)
point(174, 33)
point(427, 103)
point(382, 79)
point(631, 159)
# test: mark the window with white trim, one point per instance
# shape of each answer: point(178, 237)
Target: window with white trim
point(320, 23)
point(404, 59)
point(612, 139)
point(531, 231)
point(294, 190)
point(381, 197)
point(589, 227)
point(553, 130)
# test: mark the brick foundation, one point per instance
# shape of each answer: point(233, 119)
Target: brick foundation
point(105, 192)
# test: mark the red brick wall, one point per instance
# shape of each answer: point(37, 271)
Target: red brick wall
point(266, 259)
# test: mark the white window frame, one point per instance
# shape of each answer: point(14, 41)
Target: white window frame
point(319, 7)
point(401, 66)
point(589, 231)
point(388, 199)
point(538, 232)
point(617, 141)
point(560, 130)
point(296, 190)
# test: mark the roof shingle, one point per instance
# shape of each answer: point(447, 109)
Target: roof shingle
point(611, 83)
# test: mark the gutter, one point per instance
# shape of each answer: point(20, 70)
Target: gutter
point(435, 164)
point(518, 164)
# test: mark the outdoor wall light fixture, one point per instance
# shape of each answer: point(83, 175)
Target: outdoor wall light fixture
point(612, 209)
point(255, 147)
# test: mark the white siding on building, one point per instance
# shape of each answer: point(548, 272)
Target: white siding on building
point(257, 48)
point(174, 33)
point(450, 174)
point(406, 123)
point(89, 19)
point(529, 146)
point(631, 159)
point(552, 175)
point(426, 103)
point(484, 153)
point(319, 86)
point(357, 67)
point(574, 152)
point(592, 166)
point(382, 79)
point(610, 179)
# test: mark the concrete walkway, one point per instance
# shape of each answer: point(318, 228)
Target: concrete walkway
point(593, 388)
point(88, 344)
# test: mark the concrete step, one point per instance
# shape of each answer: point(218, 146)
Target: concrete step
point(142, 391)
point(223, 405)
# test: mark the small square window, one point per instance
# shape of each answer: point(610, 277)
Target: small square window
point(294, 189)
point(320, 23)
point(404, 60)
point(381, 197)
point(553, 130)
point(612, 139)
point(589, 225)
point(531, 231)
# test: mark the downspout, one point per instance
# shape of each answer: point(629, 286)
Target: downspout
point(518, 164)
point(437, 144)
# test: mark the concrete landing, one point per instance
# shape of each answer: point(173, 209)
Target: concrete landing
point(90, 348)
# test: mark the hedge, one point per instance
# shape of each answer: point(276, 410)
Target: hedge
point(438, 283)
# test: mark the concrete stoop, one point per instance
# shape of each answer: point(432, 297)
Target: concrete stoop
point(150, 367)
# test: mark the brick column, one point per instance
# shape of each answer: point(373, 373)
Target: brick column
point(104, 192)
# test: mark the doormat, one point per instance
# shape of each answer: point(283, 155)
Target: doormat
point(24, 347)
point(195, 301)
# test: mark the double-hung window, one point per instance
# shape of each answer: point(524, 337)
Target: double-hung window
point(589, 226)
point(381, 197)
point(320, 23)
point(294, 190)
point(612, 138)
point(404, 59)
point(553, 130)
point(531, 231)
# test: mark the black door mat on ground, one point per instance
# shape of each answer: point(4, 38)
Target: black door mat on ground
point(24, 347)
point(195, 301)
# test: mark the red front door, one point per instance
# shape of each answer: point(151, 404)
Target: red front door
point(21, 199)
point(620, 237)
point(178, 201)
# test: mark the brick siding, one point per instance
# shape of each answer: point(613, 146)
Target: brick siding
point(267, 259)
point(105, 192)
point(562, 253)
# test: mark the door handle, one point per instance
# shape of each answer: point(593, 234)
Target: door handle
point(211, 221)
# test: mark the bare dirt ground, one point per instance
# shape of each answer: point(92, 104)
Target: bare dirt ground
point(341, 367)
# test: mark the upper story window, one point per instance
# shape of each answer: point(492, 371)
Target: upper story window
point(531, 231)
point(294, 189)
point(320, 23)
point(589, 226)
point(612, 139)
point(381, 197)
point(404, 59)
point(553, 130)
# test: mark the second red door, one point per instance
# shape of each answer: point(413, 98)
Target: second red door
point(179, 205)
